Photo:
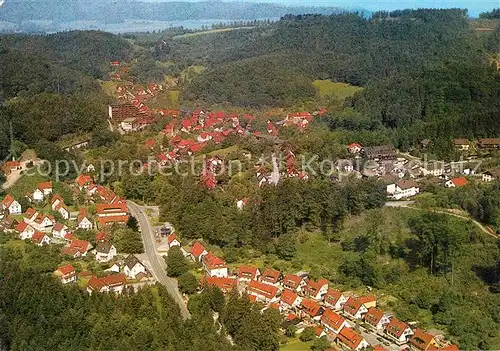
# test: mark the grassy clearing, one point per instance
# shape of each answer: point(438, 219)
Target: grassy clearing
point(190, 72)
point(168, 99)
point(26, 184)
point(328, 89)
point(296, 345)
point(109, 88)
point(212, 31)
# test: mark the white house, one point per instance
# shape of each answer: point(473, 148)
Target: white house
point(335, 299)
point(37, 195)
point(289, 299)
point(316, 289)
point(40, 239)
point(377, 318)
point(173, 241)
point(25, 231)
point(351, 340)
point(11, 205)
point(333, 322)
point(405, 189)
point(105, 251)
point(214, 266)
point(491, 175)
point(398, 331)
point(263, 292)
point(357, 307)
point(112, 283)
point(67, 274)
point(83, 222)
point(59, 230)
point(132, 267)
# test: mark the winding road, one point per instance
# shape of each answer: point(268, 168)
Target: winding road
point(157, 263)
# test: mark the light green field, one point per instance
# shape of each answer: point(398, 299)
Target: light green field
point(296, 345)
point(328, 89)
point(26, 184)
point(212, 31)
point(109, 87)
point(190, 72)
point(168, 99)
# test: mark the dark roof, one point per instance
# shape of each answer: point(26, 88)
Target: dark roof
point(103, 247)
point(131, 261)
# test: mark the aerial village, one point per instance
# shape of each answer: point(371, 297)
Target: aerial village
point(352, 321)
point(191, 132)
point(50, 221)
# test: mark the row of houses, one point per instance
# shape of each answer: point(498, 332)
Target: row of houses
point(334, 312)
point(481, 144)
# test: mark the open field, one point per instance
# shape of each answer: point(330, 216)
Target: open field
point(327, 88)
point(212, 31)
point(296, 345)
point(25, 184)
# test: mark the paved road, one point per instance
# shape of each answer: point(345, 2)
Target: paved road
point(157, 262)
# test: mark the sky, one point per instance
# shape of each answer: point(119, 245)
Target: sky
point(475, 6)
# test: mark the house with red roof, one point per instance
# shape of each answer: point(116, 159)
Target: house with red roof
point(357, 307)
point(56, 201)
point(11, 205)
point(423, 341)
point(293, 282)
point(377, 318)
point(316, 289)
point(271, 129)
point(83, 221)
point(10, 166)
point(247, 273)
point(270, 276)
point(333, 321)
point(41, 222)
point(67, 274)
point(112, 213)
point(335, 299)
point(311, 308)
point(111, 283)
point(59, 230)
point(214, 266)
point(319, 332)
point(101, 237)
point(44, 189)
point(354, 148)
point(263, 292)
point(84, 181)
point(40, 239)
point(398, 331)
point(197, 251)
point(82, 246)
point(25, 230)
point(225, 284)
point(241, 203)
point(456, 182)
point(173, 241)
point(289, 299)
point(351, 340)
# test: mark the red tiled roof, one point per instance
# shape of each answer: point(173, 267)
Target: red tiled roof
point(288, 297)
point(29, 213)
point(58, 227)
point(332, 296)
point(350, 338)
point(21, 227)
point(110, 208)
point(353, 145)
point(313, 287)
point(247, 272)
point(97, 284)
point(84, 179)
point(332, 319)
point(380, 348)
point(67, 269)
point(270, 276)
point(318, 331)
point(81, 245)
point(171, 238)
point(101, 236)
point(291, 281)
point(262, 289)
point(373, 316)
point(7, 200)
point(461, 181)
point(353, 304)
point(213, 262)
point(311, 307)
point(421, 340)
point(225, 284)
point(396, 327)
point(122, 112)
point(197, 249)
point(45, 185)
point(103, 221)
point(38, 237)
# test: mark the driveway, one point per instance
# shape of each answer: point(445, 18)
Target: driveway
point(156, 261)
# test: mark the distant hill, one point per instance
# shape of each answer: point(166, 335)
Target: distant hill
point(107, 11)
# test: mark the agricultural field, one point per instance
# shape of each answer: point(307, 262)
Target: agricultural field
point(340, 91)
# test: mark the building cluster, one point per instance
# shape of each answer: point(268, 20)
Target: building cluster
point(308, 302)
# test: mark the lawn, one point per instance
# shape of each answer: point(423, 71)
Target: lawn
point(327, 88)
point(212, 31)
point(26, 184)
point(296, 345)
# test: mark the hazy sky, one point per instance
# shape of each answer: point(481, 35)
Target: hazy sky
point(474, 6)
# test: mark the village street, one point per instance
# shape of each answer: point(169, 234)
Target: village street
point(156, 261)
